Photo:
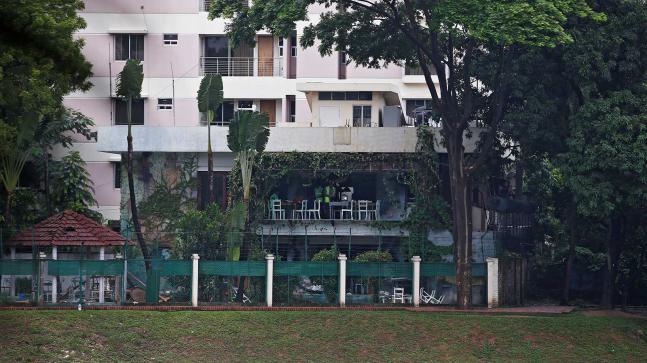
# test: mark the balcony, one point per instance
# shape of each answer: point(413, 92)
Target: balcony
point(242, 66)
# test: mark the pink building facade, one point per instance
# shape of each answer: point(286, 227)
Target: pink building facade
point(310, 99)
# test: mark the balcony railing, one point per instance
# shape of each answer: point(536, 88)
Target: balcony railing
point(242, 66)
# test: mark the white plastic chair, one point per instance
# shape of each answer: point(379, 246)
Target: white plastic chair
point(375, 213)
point(315, 213)
point(426, 297)
point(277, 211)
point(345, 211)
point(362, 208)
point(398, 295)
point(303, 212)
point(246, 299)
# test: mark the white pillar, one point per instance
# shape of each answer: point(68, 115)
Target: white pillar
point(194, 280)
point(12, 290)
point(416, 280)
point(492, 282)
point(269, 279)
point(54, 278)
point(342, 279)
point(102, 280)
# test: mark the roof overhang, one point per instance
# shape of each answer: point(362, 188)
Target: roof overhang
point(133, 30)
point(346, 86)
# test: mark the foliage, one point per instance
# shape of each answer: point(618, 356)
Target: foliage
point(326, 255)
point(374, 256)
point(72, 186)
point(248, 135)
point(129, 80)
point(210, 95)
point(202, 232)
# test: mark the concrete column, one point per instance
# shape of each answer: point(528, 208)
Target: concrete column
point(12, 289)
point(492, 282)
point(342, 279)
point(416, 280)
point(269, 282)
point(54, 278)
point(194, 280)
point(102, 280)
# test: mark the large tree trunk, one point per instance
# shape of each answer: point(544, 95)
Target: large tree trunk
point(48, 201)
point(131, 191)
point(244, 249)
point(7, 209)
point(611, 266)
point(461, 218)
point(210, 164)
point(572, 242)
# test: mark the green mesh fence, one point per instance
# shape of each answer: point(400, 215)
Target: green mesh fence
point(232, 268)
point(85, 267)
point(438, 280)
point(431, 269)
point(379, 283)
point(305, 283)
point(18, 267)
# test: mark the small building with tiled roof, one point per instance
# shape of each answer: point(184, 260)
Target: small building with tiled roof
point(67, 228)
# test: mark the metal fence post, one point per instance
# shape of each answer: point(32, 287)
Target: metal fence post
point(342, 279)
point(492, 282)
point(194, 280)
point(269, 279)
point(416, 280)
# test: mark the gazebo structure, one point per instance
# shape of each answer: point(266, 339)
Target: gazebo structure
point(63, 240)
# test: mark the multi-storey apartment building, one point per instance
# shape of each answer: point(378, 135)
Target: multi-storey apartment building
point(314, 103)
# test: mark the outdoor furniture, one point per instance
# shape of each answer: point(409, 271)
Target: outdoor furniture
point(338, 204)
point(348, 211)
point(375, 212)
point(315, 213)
point(276, 210)
point(234, 289)
point(428, 298)
point(362, 209)
point(303, 212)
point(398, 295)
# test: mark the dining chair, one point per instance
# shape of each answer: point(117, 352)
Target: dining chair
point(375, 213)
point(315, 213)
point(303, 212)
point(277, 211)
point(348, 211)
point(398, 295)
point(362, 208)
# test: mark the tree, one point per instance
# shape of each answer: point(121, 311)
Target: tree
point(248, 135)
point(129, 87)
point(73, 188)
point(446, 39)
point(40, 62)
point(209, 99)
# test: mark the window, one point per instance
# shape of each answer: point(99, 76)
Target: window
point(129, 46)
point(293, 45)
point(345, 96)
point(292, 108)
point(121, 112)
point(164, 103)
point(245, 104)
point(219, 188)
point(170, 39)
point(281, 46)
point(224, 114)
point(117, 175)
point(362, 116)
point(420, 111)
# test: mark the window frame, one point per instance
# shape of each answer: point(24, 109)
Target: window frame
point(129, 48)
point(163, 105)
point(170, 42)
point(135, 101)
point(116, 175)
point(362, 118)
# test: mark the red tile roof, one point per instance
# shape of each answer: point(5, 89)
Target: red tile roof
point(68, 228)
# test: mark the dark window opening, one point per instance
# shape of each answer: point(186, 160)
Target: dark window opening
point(121, 112)
point(345, 96)
point(117, 175)
point(219, 189)
point(129, 46)
point(362, 116)
point(292, 108)
point(170, 39)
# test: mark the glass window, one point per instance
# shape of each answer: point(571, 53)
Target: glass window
point(224, 113)
point(325, 96)
point(216, 46)
point(352, 96)
point(365, 96)
point(129, 46)
point(164, 103)
point(292, 108)
point(362, 116)
point(117, 175)
point(339, 96)
point(170, 39)
point(121, 112)
point(219, 188)
point(245, 104)
point(293, 45)
point(281, 47)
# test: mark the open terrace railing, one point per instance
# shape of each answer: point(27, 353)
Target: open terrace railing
point(242, 66)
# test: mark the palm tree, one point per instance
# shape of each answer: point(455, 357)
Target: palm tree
point(129, 87)
point(209, 99)
point(248, 135)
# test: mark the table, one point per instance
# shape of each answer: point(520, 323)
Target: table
point(340, 204)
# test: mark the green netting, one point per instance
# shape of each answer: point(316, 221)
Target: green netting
point(303, 268)
point(17, 267)
point(175, 267)
point(382, 269)
point(449, 269)
point(85, 267)
point(232, 268)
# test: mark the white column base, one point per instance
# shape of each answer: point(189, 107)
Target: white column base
point(492, 282)
point(269, 279)
point(194, 280)
point(416, 280)
point(342, 279)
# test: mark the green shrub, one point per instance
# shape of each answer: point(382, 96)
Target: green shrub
point(374, 256)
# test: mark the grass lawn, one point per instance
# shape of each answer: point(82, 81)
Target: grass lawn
point(316, 336)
